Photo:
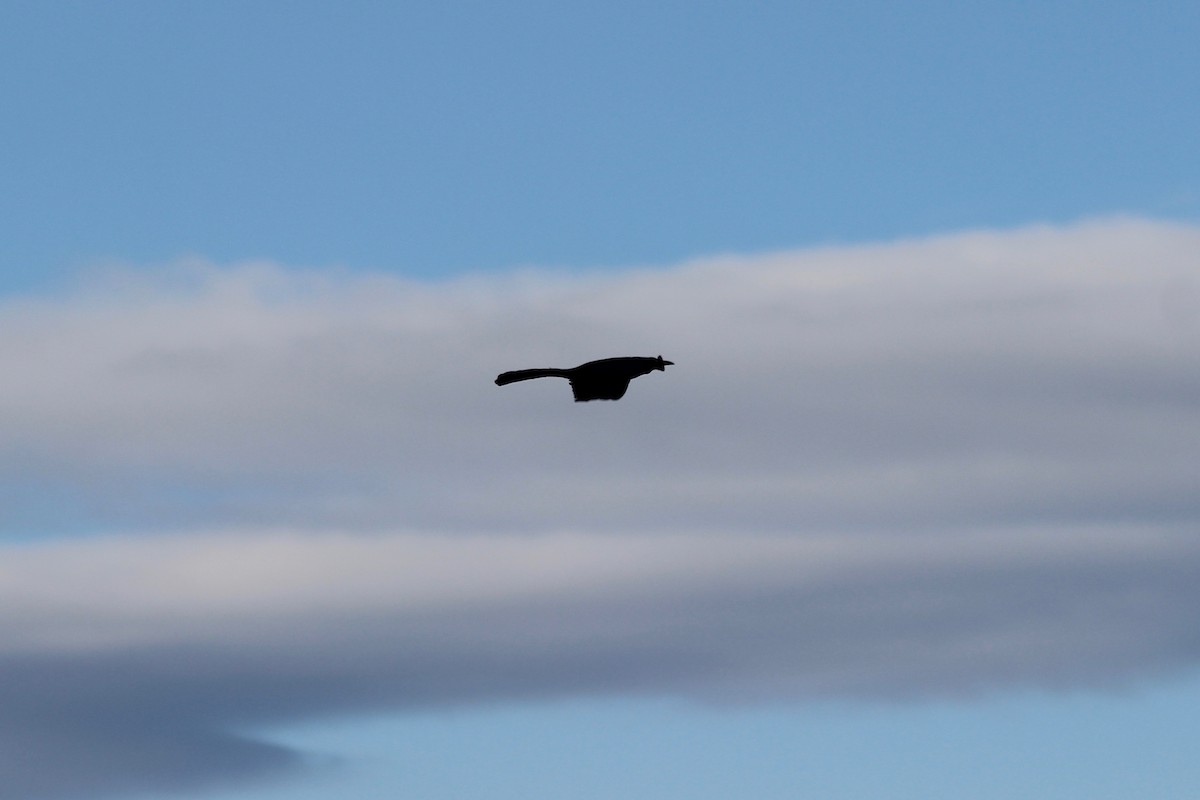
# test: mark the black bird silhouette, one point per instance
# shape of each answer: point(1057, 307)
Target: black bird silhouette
point(606, 379)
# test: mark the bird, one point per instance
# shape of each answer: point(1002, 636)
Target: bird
point(606, 379)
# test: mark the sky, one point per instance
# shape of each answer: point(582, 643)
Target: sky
point(913, 515)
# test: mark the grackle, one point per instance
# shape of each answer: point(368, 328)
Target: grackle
point(606, 379)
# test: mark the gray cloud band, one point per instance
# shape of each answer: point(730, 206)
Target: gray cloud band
point(926, 469)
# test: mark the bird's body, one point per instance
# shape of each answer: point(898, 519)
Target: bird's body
point(606, 379)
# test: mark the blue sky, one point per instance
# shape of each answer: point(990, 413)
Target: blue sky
point(913, 516)
point(434, 138)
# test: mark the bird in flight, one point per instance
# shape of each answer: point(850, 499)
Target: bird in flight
point(606, 379)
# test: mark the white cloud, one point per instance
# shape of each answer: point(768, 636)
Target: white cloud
point(920, 469)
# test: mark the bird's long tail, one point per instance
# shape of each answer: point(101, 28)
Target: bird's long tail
point(528, 374)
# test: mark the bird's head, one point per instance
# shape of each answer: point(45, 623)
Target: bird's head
point(662, 364)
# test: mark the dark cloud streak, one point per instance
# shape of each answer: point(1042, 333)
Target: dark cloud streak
point(941, 620)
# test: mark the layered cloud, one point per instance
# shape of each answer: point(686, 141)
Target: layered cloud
point(921, 469)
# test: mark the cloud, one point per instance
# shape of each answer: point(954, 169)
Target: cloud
point(131, 661)
point(921, 469)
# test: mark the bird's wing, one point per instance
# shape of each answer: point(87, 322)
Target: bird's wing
point(593, 389)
